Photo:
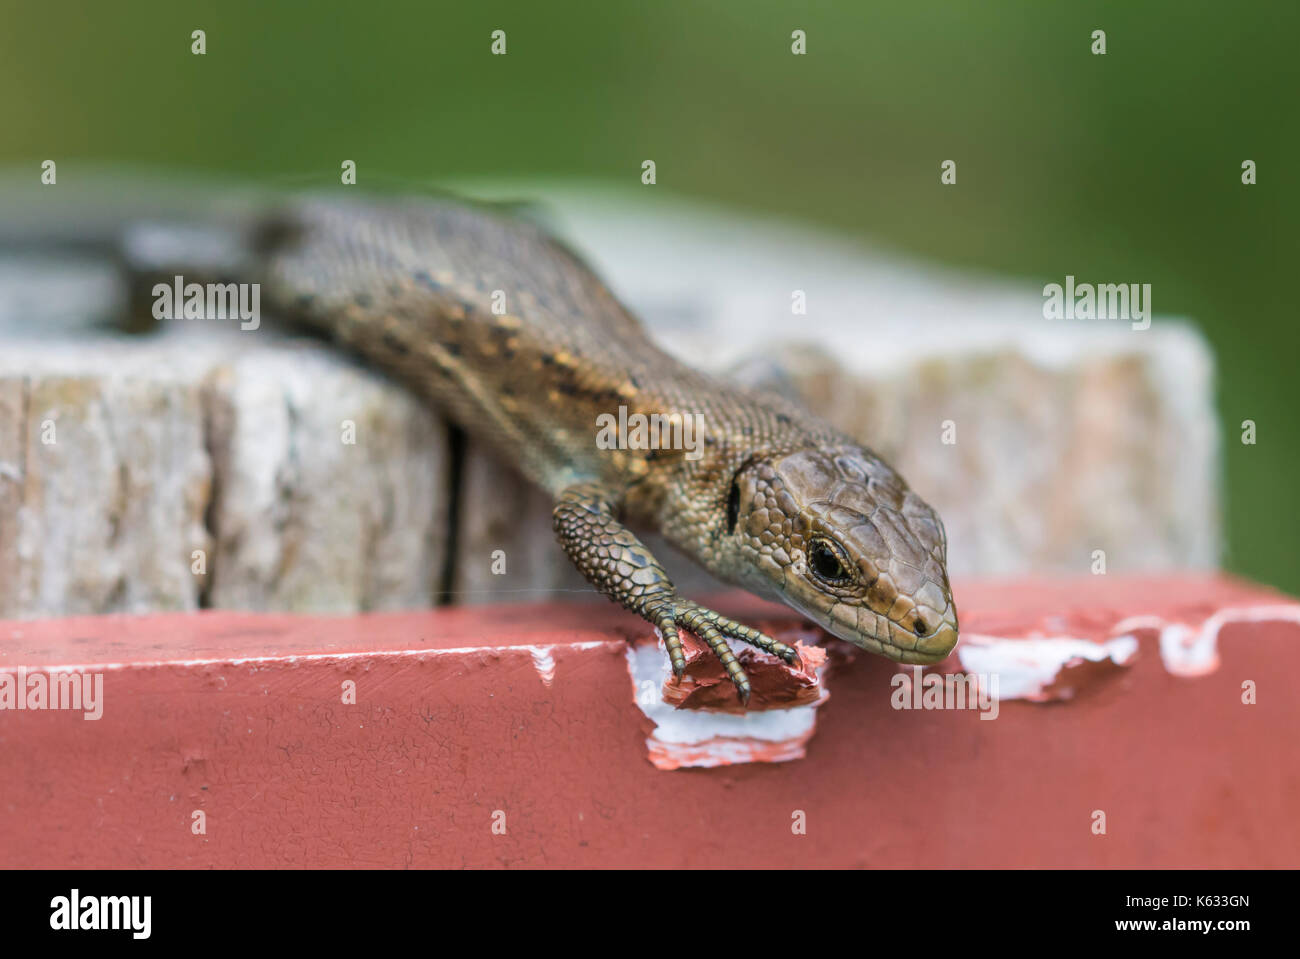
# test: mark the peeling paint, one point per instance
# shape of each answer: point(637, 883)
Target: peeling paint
point(1189, 649)
point(544, 663)
point(684, 738)
point(1027, 668)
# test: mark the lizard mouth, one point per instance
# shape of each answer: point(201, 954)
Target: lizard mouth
point(931, 647)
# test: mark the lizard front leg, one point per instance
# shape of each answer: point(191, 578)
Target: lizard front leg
point(617, 563)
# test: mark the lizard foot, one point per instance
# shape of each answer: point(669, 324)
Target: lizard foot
point(714, 629)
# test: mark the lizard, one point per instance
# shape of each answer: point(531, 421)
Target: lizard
point(774, 500)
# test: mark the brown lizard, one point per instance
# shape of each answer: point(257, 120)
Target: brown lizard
point(511, 336)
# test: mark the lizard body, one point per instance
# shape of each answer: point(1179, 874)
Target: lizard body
point(772, 498)
point(777, 501)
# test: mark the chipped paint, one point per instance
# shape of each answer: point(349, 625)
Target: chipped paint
point(544, 663)
point(684, 738)
point(1028, 668)
point(1192, 649)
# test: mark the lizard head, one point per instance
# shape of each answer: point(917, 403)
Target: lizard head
point(839, 536)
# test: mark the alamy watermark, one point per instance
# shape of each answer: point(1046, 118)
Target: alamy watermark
point(651, 431)
point(1102, 301)
point(106, 913)
point(209, 301)
point(921, 690)
point(58, 689)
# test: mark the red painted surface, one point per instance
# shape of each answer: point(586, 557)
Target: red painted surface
point(241, 716)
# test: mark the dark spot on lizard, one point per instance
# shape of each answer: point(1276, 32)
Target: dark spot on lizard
point(424, 279)
point(395, 343)
point(363, 299)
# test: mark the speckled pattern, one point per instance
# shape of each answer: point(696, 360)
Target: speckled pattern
point(411, 285)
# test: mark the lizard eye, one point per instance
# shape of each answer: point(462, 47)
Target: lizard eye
point(733, 504)
point(827, 561)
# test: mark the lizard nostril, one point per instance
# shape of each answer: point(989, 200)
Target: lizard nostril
point(919, 627)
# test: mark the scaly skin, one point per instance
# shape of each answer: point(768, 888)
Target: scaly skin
point(779, 502)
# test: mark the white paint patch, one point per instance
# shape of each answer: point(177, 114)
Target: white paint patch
point(1193, 650)
point(544, 663)
point(695, 737)
point(1027, 667)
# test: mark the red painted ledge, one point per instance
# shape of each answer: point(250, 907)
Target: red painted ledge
point(513, 736)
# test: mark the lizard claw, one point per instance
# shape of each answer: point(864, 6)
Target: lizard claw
point(743, 689)
point(714, 629)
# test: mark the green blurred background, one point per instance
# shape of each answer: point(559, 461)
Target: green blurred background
point(1124, 167)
